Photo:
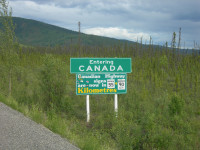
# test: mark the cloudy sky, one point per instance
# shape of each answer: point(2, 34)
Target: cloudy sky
point(122, 19)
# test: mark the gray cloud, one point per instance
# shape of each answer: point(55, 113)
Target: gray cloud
point(152, 17)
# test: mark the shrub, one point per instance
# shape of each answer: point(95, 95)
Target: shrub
point(53, 81)
point(176, 105)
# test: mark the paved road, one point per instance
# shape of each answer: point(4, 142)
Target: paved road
point(18, 132)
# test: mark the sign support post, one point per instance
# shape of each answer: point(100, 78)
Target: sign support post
point(116, 104)
point(88, 108)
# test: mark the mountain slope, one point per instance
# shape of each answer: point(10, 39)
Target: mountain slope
point(35, 33)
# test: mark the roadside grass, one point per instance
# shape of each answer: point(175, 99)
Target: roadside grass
point(71, 129)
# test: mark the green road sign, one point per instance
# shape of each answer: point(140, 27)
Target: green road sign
point(100, 65)
point(87, 84)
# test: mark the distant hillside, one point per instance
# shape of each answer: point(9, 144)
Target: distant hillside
point(35, 33)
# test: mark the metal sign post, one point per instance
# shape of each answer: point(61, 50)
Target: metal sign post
point(88, 108)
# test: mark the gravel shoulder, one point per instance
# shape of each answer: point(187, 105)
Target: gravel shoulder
point(18, 132)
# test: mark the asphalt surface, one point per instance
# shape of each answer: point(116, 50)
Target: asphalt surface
point(18, 132)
